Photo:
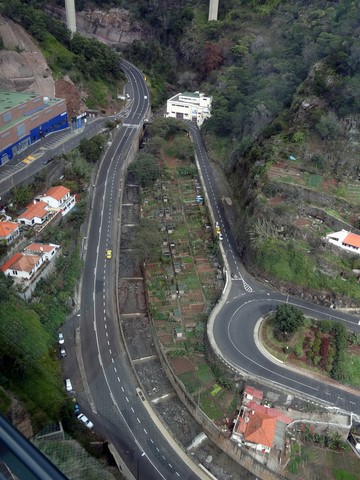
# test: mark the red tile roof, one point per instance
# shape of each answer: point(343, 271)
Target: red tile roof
point(7, 227)
point(258, 394)
point(260, 429)
point(352, 239)
point(39, 247)
point(57, 192)
point(21, 263)
point(38, 209)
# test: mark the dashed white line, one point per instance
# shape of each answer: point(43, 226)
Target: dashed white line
point(115, 369)
point(177, 473)
point(112, 360)
point(132, 409)
point(118, 379)
point(127, 399)
point(170, 465)
point(122, 388)
point(137, 418)
point(151, 440)
point(145, 431)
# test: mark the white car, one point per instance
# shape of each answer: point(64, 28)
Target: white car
point(85, 420)
point(220, 237)
point(68, 385)
point(61, 338)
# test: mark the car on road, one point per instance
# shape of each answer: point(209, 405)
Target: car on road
point(46, 162)
point(62, 352)
point(85, 421)
point(127, 96)
point(68, 385)
point(221, 237)
point(77, 409)
point(108, 253)
point(61, 339)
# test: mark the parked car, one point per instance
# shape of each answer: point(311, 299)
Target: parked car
point(62, 352)
point(46, 162)
point(85, 421)
point(220, 236)
point(77, 409)
point(61, 339)
point(68, 385)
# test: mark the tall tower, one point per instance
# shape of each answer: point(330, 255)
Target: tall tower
point(70, 15)
point(213, 9)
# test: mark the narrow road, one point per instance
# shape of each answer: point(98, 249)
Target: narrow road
point(231, 332)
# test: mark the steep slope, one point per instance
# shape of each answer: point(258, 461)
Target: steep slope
point(22, 65)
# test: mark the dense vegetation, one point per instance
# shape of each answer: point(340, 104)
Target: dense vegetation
point(316, 344)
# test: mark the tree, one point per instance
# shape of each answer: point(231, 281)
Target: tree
point(147, 240)
point(91, 149)
point(144, 169)
point(287, 320)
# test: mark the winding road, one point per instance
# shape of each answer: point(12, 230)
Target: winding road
point(117, 408)
point(232, 328)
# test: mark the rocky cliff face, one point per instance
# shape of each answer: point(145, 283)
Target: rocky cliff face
point(114, 26)
point(23, 67)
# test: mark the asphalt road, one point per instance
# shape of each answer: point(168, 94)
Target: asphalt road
point(232, 331)
point(116, 409)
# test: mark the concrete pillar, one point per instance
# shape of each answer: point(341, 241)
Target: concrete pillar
point(213, 10)
point(70, 15)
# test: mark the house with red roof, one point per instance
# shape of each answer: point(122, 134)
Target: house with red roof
point(345, 240)
point(58, 199)
point(9, 231)
point(34, 214)
point(257, 425)
point(24, 265)
point(46, 250)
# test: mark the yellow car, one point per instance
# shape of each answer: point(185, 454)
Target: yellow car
point(108, 254)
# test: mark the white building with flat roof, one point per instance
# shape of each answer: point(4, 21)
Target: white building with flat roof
point(189, 106)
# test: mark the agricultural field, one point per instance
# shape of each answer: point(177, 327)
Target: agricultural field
point(186, 280)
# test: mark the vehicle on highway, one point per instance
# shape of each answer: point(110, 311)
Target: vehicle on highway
point(61, 339)
point(46, 162)
point(68, 385)
point(85, 421)
point(108, 253)
point(62, 352)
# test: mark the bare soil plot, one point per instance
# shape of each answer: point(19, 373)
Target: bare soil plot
point(138, 334)
point(153, 378)
point(131, 294)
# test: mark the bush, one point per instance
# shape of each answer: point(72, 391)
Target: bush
point(298, 350)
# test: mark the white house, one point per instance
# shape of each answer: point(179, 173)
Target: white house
point(21, 265)
point(189, 106)
point(345, 240)
point(45, 250)
point(36, 213)
point(58, 199)
point(25, 264)
point(9, 231)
